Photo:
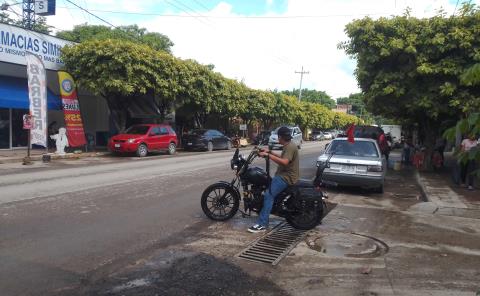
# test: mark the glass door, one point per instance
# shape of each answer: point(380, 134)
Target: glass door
point(19, 135)
point(4, 128)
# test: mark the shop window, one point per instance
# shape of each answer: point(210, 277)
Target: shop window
point(4, 128)
point(19, 135)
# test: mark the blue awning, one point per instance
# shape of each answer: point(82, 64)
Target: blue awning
point(14, 94)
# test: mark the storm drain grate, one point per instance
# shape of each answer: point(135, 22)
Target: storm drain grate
point(273, 246)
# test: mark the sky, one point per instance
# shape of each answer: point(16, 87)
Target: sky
point(260, 42)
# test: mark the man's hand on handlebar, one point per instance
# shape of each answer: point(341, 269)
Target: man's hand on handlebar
point(263, 152)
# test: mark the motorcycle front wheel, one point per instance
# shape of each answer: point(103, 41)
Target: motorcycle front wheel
point(306, 217)
point(220, 202)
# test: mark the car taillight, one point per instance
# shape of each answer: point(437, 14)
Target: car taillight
point(374, 168)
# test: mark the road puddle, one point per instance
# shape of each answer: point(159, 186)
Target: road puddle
point(348, 245)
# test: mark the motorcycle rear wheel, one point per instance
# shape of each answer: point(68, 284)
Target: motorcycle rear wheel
point(307, 217)
point(220, 202)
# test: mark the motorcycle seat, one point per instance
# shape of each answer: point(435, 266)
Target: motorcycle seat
point(303, 183)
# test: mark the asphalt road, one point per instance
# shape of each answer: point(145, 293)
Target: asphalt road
point(69, 222)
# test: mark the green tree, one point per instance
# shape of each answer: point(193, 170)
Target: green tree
point(409, 68)
point(313, 96)
point(132, 33)
point(121, 71)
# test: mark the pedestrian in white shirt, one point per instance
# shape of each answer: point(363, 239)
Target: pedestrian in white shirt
point(469, 167)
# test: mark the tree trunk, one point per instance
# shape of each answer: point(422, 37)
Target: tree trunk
point(431, 132)
point(118, 112)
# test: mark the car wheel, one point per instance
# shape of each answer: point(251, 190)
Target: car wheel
point(210, 146)
point(142, 150)
point(229, 145)
point(172, 148)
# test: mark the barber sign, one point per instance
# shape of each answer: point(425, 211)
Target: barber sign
point(37, 93)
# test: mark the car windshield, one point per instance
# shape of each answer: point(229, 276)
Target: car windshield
point(137, 130)
point(276, 130)
point(199, 132)
point(358, 148)
point(367, 132)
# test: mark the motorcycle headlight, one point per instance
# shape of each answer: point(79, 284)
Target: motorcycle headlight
point(130, 140)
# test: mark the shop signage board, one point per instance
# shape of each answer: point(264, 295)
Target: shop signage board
point(37, 94)
point(71, 110)
point(45, 7)
point(15, 42)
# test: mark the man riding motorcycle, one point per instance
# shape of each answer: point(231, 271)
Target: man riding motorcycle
point(287, 174)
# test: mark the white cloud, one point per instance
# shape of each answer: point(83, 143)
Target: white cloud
point(267, 52)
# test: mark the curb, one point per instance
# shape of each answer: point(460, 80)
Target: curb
point(54, 157)
point(422, 186)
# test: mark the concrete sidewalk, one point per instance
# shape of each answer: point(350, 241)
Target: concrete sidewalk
point(17, 155)
point(445, 198)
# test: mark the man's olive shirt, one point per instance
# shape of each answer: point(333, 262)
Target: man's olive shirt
point(290, 172)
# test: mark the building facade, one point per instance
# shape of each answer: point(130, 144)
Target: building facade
point(14, 101)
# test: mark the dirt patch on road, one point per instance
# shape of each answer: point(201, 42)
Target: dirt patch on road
point(185, 273)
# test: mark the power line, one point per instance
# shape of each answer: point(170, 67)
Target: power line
point(189, 15)
point(79, 7)
point(200, 4)
point(455, 10)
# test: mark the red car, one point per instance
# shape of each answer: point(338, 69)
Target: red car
point(144, 138)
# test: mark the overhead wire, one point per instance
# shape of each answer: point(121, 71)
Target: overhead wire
point(188, 8)
point(455, 10)
point(94, 15)
point(188, 13)
point(201, 5)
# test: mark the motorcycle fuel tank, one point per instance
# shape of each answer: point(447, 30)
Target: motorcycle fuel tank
point(256, 176)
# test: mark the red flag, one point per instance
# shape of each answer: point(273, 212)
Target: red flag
point(350, 133)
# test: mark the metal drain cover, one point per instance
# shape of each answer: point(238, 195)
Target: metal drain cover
point(273, 246)
point(351, 245)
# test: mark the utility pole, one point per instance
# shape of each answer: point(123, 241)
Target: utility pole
point(28, 14)
point(301, 79)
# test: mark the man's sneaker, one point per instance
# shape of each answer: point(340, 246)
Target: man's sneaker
point(257, 228)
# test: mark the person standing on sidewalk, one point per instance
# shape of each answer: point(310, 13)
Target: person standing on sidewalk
point(469, 167)
point(287, 174)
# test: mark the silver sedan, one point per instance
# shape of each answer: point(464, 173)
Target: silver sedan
point(354, 164)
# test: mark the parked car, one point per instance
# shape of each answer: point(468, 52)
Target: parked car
point(327, 136)
point(354, 164)
point(297, 138)
point(262, 138)
point(317, 136)
point(144, 138)
point(206, 139)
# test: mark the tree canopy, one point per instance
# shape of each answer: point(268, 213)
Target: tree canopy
point(132, 33)
point(409, 69)
point(122, 71)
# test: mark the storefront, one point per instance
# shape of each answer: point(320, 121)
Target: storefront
point(14, 102)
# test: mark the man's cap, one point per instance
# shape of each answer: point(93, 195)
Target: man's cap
point(285, 133)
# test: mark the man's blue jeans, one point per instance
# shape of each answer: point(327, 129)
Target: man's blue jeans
point(277, 186)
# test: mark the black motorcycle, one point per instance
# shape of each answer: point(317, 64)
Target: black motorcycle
point(302, 205)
